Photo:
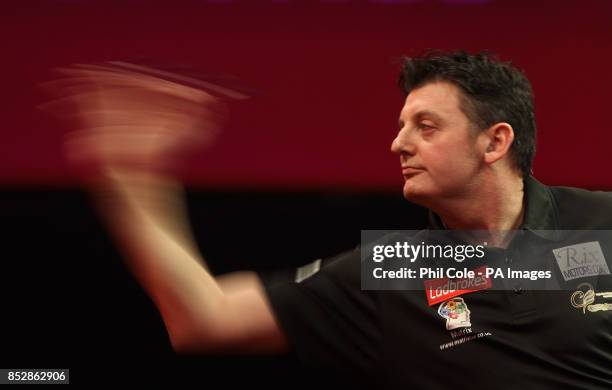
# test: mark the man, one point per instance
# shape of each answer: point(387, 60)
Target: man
point(466, 142)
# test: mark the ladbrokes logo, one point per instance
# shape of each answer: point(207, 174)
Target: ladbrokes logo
point(584, 298)
point(438, 290)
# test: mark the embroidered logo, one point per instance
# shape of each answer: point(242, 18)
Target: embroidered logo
point(584, 298)
point(456, 313)
point(581, 260)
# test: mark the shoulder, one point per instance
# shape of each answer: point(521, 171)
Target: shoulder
point(580, 208)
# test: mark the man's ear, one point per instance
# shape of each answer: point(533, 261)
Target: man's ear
point(498, 139)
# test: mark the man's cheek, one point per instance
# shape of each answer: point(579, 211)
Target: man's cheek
point(438, 164)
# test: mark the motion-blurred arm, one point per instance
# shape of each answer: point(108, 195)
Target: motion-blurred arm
point(133, 128)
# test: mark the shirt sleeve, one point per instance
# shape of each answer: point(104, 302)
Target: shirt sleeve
point(329, 321)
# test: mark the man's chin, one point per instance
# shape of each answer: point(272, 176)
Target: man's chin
point(414, 194)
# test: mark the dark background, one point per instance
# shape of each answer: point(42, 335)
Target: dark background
point(68, 301)
point(299, 170)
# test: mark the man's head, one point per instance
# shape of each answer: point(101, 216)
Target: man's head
point(464, 115)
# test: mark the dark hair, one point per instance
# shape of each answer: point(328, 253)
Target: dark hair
point(493, 92)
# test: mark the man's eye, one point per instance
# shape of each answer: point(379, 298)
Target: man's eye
point(424, 126)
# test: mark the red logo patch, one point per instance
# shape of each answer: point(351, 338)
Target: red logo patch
point(438, 290)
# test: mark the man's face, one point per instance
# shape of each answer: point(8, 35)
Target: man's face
point(439, 153)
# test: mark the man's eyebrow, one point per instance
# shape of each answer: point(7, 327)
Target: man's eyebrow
point(423, 113)
point(428, 113)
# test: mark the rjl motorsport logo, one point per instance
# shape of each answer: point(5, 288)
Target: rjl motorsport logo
point(581, 260)
point(438, 290)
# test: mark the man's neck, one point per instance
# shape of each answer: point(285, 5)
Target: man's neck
point(495, 207)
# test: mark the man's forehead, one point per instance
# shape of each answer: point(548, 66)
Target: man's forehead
point(441, 98)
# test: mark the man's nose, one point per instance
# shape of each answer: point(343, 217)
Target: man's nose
point(402, 143)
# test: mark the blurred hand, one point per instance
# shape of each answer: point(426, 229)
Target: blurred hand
point(132, 121)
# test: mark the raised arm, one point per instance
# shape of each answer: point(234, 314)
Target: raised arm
point(134, 126)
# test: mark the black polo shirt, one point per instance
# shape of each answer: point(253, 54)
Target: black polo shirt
point(516, 337)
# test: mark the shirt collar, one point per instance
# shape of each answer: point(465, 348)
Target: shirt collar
point(540, 212)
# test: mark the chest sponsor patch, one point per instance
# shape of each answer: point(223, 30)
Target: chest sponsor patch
point(456, 313)
point(585, 297)
point(439, 290)
point(581, 260)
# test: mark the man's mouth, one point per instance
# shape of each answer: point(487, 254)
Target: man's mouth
point(411, 171)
